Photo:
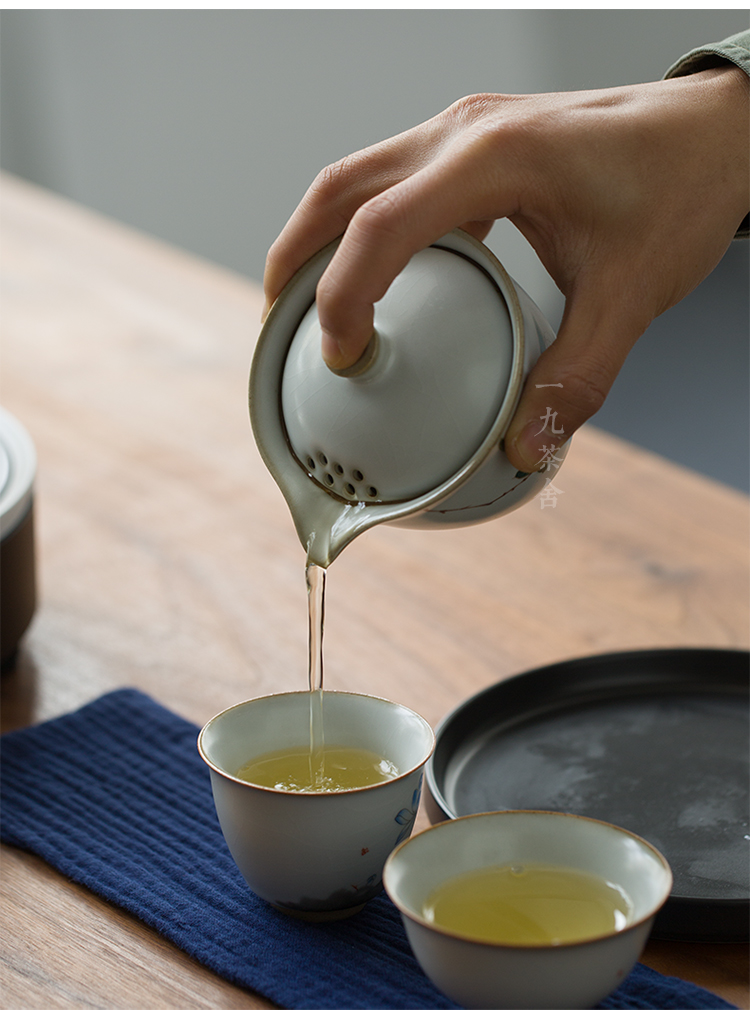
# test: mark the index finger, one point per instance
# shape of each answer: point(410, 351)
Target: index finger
point(386, 232)
point(333, 198)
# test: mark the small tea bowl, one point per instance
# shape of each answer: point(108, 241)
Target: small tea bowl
point(485, 974)
point(317, 855)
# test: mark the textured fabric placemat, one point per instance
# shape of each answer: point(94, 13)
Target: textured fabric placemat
point(116, 797)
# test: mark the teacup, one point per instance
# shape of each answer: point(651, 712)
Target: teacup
point(486, 973)
point(317, 855)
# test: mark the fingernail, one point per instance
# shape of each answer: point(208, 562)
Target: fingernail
point(331, 350)
point(535, 446)
point(266, 310)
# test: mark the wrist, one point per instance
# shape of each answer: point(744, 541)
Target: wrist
point(721, 94)
point(731, 86)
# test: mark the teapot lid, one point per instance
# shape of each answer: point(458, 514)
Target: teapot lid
point(438, 370)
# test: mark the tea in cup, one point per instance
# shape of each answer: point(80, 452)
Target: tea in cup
point(309, 836)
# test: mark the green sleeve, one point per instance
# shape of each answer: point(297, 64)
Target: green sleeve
point(735, 49)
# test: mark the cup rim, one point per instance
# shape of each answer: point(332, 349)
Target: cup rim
point(337, 792)
point(599, 938)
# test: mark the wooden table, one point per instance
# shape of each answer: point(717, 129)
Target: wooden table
point(168, 562)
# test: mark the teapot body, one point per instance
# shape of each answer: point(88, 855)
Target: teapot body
point(496, 487)
point(417, 440)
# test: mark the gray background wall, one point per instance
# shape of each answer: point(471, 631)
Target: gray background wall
point(205, 128)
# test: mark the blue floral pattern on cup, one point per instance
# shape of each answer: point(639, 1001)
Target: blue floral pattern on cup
point(406, 816)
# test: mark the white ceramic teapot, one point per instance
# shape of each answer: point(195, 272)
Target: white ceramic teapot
point(412, 434)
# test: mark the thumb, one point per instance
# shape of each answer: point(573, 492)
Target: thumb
point(570, 381)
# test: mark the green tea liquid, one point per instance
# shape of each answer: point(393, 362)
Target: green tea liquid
point(529, 905)
point(335, 768)
point(316, 590)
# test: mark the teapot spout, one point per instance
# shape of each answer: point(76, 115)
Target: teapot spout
point(326, 526)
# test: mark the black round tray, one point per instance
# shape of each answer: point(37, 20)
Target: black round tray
point(655, 741)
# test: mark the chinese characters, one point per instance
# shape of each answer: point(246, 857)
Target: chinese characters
point(549, 461)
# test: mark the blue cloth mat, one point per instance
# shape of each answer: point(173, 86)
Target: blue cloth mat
point(115, 797)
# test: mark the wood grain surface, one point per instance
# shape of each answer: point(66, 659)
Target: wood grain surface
point(167, 561)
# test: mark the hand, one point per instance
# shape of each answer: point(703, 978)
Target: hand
point(630, 197)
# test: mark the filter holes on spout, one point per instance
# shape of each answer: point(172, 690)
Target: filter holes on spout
point(332, 475)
